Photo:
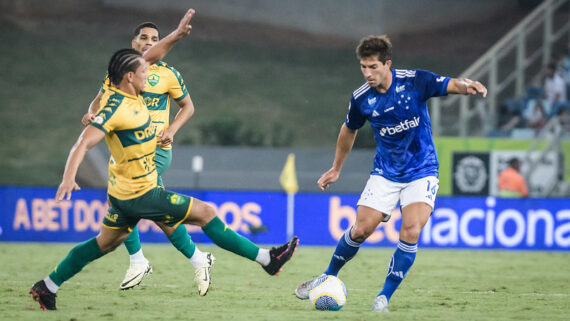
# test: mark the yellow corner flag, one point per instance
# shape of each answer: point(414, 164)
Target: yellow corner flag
point(288, 178)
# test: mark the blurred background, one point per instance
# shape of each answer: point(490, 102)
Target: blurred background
point(269, 78)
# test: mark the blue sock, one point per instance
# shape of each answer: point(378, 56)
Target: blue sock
point(400, 264)
point(345, 250)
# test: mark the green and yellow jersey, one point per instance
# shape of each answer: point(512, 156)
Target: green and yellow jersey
point(131, 138)
point(162, 83)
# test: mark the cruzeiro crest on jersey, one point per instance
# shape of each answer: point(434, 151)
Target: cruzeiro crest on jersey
point(153, 79)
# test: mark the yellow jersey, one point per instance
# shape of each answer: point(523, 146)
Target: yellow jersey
point(162, 82)
point(131, 138)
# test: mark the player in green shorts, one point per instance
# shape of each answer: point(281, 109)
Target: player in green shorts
point(125, 124)
point(163, 83)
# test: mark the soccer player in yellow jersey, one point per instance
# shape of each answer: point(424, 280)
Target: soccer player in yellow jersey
point(125, 123)
point(163, 83)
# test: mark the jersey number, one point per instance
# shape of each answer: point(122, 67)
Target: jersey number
point(433, 188)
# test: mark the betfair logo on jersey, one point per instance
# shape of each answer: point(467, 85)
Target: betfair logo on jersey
point(176, 199)
point(405, 125)
point(153, 79)
point(146, 133)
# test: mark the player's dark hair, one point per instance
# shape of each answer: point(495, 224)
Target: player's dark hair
point(123, 61)
point(375, 46)
point(147, 24)
point(514, 162)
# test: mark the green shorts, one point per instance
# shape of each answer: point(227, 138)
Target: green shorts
point(157, 205)
point(162, 159)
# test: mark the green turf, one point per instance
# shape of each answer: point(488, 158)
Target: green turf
point(442, 285)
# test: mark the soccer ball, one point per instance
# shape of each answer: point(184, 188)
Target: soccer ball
point(327, 293)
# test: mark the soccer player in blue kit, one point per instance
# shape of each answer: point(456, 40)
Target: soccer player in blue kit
point(405, 167)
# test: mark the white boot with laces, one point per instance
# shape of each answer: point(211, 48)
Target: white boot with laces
point(135, 275)
point(202, 274)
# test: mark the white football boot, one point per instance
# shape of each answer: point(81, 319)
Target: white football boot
point(380, 304)
point(135, 275)
point(202, 274)
point(302, 291)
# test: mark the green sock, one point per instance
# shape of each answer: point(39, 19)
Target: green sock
point(76, 259)
point(182, 241)
point(133, 242)
point(227, 239)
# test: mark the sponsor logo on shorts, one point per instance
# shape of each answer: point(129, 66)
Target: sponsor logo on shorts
point(176, 199)
point(112, 217)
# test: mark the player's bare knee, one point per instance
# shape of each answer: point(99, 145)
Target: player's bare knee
point(410, 232)
point(201, 213)
point(209, 213)
point(108, 241)
point(360, 234)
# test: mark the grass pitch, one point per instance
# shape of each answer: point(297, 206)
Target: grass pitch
point(442, 285)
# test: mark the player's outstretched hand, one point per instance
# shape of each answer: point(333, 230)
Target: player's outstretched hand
point(161, 48)
point(475, 88)
point(87, 118)
point(184, 26)
point(64, 190)
point(327, 178)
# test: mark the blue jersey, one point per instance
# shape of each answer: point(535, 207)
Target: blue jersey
point(405, 150)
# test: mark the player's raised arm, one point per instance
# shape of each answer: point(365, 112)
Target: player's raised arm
point(93, 107)
point(465, 86)
point(88, 138)
point(158, 51)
